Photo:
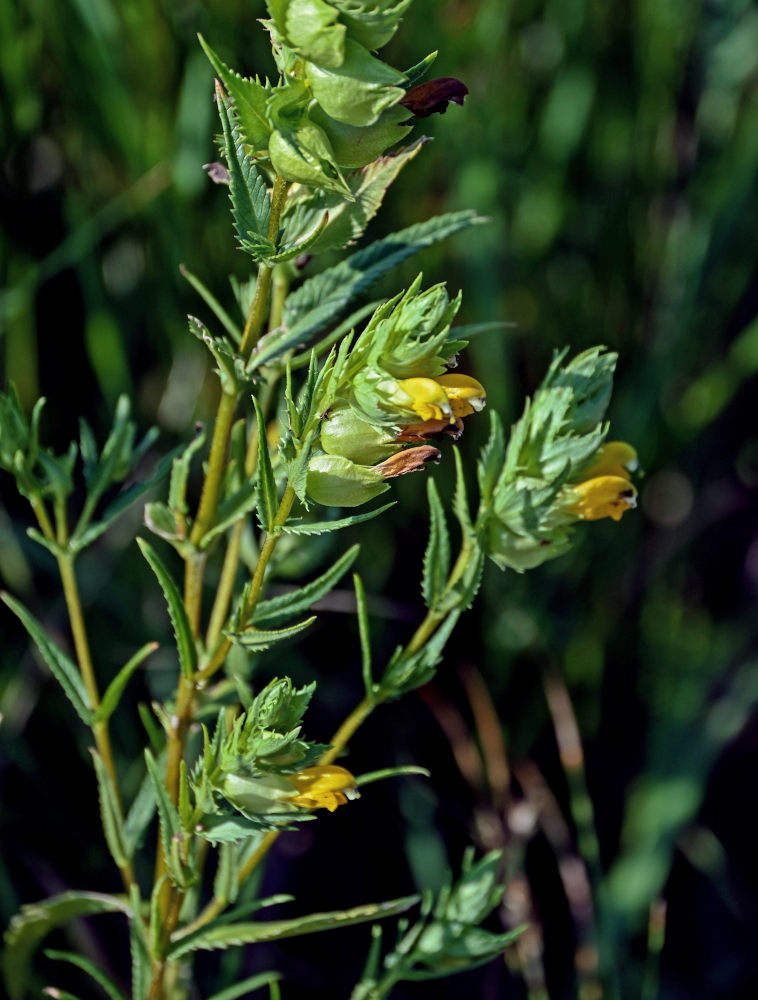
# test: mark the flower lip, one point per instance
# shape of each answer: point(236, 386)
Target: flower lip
point(603, 496)
point(323, 786)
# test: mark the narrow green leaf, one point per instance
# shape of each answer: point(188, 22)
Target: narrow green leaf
point(140, 815)
point(323, 527)
point(213, 304)
point(180, 469)
point(269, 501)
point(90, 968)
point(226, 882)
point(117, 686)
point(120, 503)
point(62, 668)
point(460, 498)
point(168, 816)
point(255, 640)
point(391, 772)
point(185, 803)
point(113, 824)
point(278, 609)
point(364, 633)
point(437, 555)
point(35, 921)
point(247, 986)
point(228, 936)
point(141, 966)
point(185, 643)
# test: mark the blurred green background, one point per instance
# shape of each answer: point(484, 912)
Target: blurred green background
point(614, 148)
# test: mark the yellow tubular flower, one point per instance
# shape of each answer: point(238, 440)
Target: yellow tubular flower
point(603, 496)
point(322, 787)
point(615, 458)
point(466, 395)
point(428, 398)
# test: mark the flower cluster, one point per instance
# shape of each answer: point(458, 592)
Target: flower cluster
point(555, 470)
point(397, 394)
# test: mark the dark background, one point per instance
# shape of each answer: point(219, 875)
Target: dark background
point(615, 149)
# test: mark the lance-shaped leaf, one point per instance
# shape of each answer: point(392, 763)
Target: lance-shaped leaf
point(226, 883)
point(227, 936)
point(117, 686)
point(256, 982)
point(62, 668)
point(232, 328)
point(364, 633)
point(170, 824)
point(251, 204)
point(107, 985)
point(140, 815)
point(185, 643)
point(323, 527)
point(278, 609)
point(36, 920)
point(113, 824)
point(437, 555)
point(255, 640)
point(269, 500)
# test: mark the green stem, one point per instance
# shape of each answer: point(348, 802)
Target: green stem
point(84, 660)
point(256, 316)
point(433, 619)
point(216, 466)
point(256, 585)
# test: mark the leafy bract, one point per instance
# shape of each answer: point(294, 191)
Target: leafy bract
point(319, 300)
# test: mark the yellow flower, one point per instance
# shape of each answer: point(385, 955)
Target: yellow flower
point(428, 399)
point(322, 787)
point(603, 496)
point(444, 397)
point(615, 458)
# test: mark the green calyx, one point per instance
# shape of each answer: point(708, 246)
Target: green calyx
point(334, 481)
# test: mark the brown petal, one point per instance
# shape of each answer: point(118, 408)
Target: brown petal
point(431, 429)
point(433, 96)
point(409, 460)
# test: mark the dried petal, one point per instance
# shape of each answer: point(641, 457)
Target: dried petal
point(409, 460)
point(434, 96)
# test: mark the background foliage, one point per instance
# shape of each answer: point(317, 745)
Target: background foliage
point(615, 149)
